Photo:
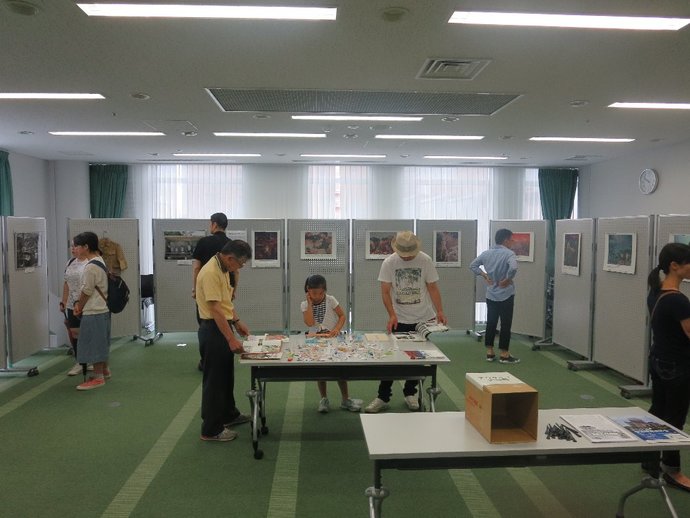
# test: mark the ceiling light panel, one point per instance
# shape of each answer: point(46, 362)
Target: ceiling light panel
point(582, 139)
point(268, 135)
point(246, 12)
point(652, 106)
point(456, 157)
point(248, 155)
point(353, 102)
point(342, 156)
point(57, 96)
point(382, 118)
point(576, 21)
point(107, 133)
point(430, 137)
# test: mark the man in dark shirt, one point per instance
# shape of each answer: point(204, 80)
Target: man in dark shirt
point(205, 249)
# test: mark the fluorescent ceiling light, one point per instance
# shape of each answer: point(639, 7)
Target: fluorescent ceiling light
point(247, 12)
point(344, 156)
point(429, 137)
point(456, 157)
point(270, 135)
point(639, 23)
point(380, 118)
point(218, 154)
point(581, 139)
point(652, 106)
point(107, 133)
point(49, 96)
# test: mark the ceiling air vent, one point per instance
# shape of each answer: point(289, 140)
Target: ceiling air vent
point(445, 68)
point(582, 158)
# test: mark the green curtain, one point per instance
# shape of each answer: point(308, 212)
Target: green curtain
point(107, 187)
point(6, 197)
point(557, 193)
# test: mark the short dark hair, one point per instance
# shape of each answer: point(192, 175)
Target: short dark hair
point(314, 282)
point(87, 238)
point(238, 249)
point(502, 235)
point(220, 219)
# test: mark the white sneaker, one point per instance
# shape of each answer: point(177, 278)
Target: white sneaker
point(353, 405)
point(76, 369)
point(412, 403)
point(324, 406)
point(376, 406)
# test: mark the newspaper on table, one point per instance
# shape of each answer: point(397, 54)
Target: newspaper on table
point(650, 428)
point(424, 329)
point(266, 347)
point(598, 428)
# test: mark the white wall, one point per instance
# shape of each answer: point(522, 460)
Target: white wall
point(54, 191)
point(610, 189)
point(275, 191)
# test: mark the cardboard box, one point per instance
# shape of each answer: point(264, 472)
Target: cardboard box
point(501, 407)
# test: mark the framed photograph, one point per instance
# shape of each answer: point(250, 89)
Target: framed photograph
point(318, 245)
point(679, 238)
point(265, 249)
point(446, 248)
point(180, 244)
point(523, 246)
point(619, 253)
point(571, 254)
point(27, 246)
point(379, 244)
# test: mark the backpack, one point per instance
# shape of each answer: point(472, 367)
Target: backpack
point(118, 292)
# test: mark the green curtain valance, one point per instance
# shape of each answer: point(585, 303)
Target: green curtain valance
point(557, 189)
point(107, 188)
point(6, 196)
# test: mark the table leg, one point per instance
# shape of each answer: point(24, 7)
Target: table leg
point(647, 482)
point(255, 396)
point(376, 494)
point(262, 408)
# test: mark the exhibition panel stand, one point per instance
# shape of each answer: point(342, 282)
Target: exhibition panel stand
point(124, 232)
point(317, 247)
point(452, 245)
point(370, 246)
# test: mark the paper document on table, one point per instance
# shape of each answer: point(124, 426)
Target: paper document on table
point(650, 428)
point(262, 349)
point(598, 428)
point(377, 337)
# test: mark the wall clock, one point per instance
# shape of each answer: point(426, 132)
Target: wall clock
point(649, 179)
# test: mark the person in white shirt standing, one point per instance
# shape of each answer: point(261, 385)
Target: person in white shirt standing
point(94, 336)
point(411, 296)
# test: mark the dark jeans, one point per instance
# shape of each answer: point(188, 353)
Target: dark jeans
point(386, 386)
point(496, 310)
point(670, 398)
point(217, 396)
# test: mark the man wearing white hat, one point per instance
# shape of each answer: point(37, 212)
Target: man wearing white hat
point(410, 294)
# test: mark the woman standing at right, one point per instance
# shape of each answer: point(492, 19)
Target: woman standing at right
point(669, 355)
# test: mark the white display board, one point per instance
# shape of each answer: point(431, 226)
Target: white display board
point(453, 244)
point(671, 228)
point(368, 312)
point(261, 293)
point(574, 285)
point(621, 336)
point(126, 233)
point(3, 315)
point(529, 317)
point(317, 247)
point(26, 286)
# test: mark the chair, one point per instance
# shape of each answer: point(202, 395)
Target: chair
point(147, 299)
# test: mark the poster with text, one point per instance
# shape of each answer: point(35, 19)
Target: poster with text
point(447, 248)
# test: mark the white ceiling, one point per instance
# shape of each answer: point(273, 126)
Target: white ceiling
point(60, 49)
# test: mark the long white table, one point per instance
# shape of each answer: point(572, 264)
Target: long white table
point(394, 366)
point(446, 440)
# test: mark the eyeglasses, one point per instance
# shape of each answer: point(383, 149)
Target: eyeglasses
point(241, 262)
